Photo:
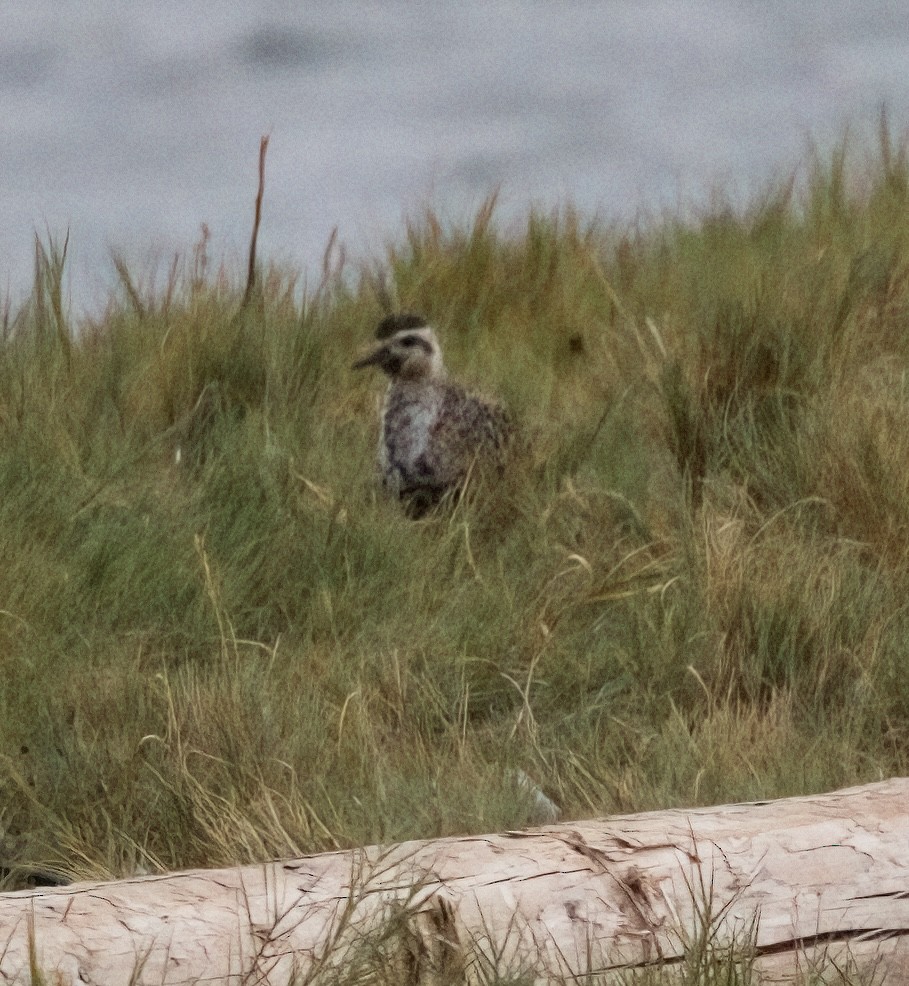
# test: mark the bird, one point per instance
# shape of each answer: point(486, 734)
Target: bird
point(433, 430)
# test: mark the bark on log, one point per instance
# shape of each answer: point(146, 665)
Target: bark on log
point(805, 877)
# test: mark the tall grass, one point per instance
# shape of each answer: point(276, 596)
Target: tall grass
point(692, 589)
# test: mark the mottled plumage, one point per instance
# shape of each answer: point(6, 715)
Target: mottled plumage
point(433, 431)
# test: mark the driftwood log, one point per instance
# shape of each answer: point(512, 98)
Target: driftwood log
point(794, 883)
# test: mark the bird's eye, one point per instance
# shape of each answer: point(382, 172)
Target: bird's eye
point(410, 341)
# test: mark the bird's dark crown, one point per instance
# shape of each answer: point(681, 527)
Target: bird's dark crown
point(399, 322)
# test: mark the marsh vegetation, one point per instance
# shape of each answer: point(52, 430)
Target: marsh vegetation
point(690, 589)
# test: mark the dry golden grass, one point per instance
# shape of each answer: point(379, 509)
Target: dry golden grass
point(690, 589)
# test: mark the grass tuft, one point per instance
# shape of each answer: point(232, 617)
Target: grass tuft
point(222, 644)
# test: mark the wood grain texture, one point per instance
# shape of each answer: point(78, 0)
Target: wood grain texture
point(813, 876)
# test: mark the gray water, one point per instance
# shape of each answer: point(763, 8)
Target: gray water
point(131, 125)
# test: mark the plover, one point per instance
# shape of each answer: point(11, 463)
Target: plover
point(433, 431)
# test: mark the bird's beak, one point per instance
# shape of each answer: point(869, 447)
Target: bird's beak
point(374, 358)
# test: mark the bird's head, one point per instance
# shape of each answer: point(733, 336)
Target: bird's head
point(408, 349)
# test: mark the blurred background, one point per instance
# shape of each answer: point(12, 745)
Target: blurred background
point(131, 125)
